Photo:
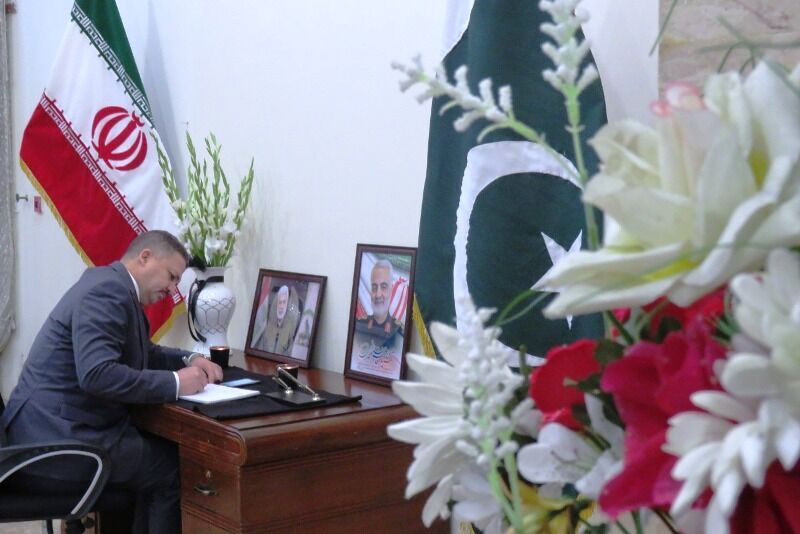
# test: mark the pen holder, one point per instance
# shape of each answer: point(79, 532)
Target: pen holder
point(291, 369)
point(220, 355)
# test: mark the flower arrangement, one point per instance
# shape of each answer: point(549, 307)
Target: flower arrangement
point(688, 410)
point(208, 220)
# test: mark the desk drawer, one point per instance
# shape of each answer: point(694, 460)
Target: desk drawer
point(210, 489)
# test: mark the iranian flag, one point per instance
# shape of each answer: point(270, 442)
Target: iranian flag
point(89, 150)
point(497, 214)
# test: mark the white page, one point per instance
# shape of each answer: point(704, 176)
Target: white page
point(214, 393)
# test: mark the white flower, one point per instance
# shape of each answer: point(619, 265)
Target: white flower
point(691, 204)
point(768, 312)
point(438, 398)
point(756, 419)
point(462, 401)
point(475, 502)
point(212, 246)
point(728, 446)
point(227, 229)
point(563, 456)
point(567, 53)
point(475, 107)
point(182, 226)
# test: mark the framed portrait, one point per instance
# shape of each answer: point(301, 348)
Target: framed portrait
point(285, 316)
point(380, 313)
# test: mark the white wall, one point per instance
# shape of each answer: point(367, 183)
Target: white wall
point(303, 86)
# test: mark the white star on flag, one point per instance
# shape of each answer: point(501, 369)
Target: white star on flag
point(557, 252)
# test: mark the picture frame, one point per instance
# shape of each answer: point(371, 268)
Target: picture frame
point(380, 313)
point(285, 315)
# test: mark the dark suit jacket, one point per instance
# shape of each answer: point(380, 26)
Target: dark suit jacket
point(92, 358)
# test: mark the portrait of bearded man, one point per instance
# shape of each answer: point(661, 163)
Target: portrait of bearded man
point(378, 337)
point(277, 320)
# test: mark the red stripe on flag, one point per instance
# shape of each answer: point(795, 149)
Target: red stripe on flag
point(84, 207)
point(159, 313)
point(400, 312)
point(399, 301)
point(81, 194)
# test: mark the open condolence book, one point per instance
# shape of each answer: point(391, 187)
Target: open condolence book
point(214, 393)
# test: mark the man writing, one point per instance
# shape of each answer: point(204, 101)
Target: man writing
point(92, 359)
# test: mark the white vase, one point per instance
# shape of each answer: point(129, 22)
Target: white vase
point(211, 312)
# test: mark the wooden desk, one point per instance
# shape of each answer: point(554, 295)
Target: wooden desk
point(318, 470)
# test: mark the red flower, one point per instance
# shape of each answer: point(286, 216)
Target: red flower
point(649, 385)
point(555, 399)
point(710, 307)
point(772, 508)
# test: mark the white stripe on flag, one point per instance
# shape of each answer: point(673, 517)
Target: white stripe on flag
point(81, 101)
point(485, 164)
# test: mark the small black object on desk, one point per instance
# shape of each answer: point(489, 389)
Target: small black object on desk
point(220, 355)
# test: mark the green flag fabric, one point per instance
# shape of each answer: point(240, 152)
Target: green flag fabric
point(496, 215)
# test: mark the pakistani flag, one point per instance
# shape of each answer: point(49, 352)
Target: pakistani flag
point(88, 147)
point(497, 215)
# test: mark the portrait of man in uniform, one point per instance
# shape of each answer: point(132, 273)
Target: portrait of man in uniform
point(378, 337)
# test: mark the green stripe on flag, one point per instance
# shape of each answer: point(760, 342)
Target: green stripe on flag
point(100, 21)
point(515, 216)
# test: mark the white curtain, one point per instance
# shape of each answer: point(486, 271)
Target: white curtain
point(6, 188)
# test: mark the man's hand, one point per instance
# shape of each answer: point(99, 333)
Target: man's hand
point(211, 369)
point(193, 380)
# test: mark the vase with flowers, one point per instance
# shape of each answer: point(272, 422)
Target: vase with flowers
point(209, 221)
point(687, 410)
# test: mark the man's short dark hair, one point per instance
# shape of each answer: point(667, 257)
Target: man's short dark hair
point(158, 241)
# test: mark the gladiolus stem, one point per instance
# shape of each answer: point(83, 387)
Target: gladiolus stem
point(495, 481)
point(575, 127)
point(666, 520)
point(619, 326)
point(516, 500)
point(637, 522)
point(511, 510)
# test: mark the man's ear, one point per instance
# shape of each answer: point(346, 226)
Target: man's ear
point(145, 255)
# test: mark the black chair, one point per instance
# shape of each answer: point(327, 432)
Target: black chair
point(32, 498)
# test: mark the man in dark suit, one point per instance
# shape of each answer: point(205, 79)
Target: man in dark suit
point(93, 358)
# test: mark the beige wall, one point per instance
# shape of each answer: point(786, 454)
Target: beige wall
point(695, 25)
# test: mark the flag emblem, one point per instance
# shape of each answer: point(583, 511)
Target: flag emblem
point(119, 139)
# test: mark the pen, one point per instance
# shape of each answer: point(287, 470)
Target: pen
point(314, 394)
point(286, 389)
